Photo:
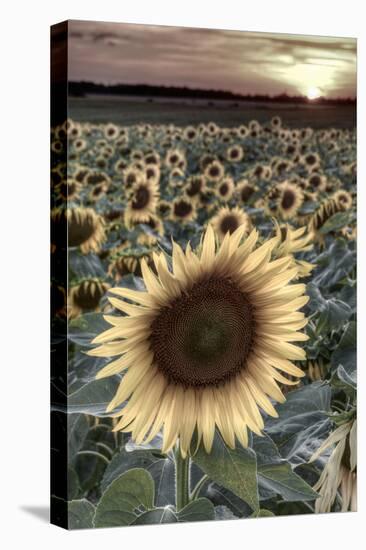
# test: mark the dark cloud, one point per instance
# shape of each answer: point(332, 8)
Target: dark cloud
point(244, 62)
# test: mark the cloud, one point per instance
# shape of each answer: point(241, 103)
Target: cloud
point(244, 62)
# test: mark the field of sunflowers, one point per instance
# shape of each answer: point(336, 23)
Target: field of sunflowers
point(210, 319)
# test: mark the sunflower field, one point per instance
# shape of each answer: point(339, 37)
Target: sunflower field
point(209, 318)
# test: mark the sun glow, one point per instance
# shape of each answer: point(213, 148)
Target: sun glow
point(313, 92)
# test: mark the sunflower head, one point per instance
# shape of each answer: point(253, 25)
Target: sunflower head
point(195, 186)
point(85, 296)
point(183, 209)
point(290, 199)
point(225, 189)
point(227, 220)
point(214, 171)
point(245, 190)
point(142, 202)
point(343, 199)
point(85, 229)
point(204, 344)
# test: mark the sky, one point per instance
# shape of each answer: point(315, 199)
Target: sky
point(241, 62)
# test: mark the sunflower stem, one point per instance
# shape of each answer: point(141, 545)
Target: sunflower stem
point(182, 480)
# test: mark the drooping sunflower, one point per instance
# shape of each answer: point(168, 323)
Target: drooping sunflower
point(203, 344)
point(326, 210)
point(317, 182)
point(245, 190)
point(164, 209)
point(195, 186)
point(183, 209)
point(227, 220)
point(86, 296)
point(85, 229)
point(290, 199)
point(68, 189)
point(142, 203)
point(128, 261)
point(340, 472)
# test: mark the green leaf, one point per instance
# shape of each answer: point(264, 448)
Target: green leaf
point(302, 424)
point(276, 474)
point(158, 515)
point(80, 514)
point(94, 397)
point(128, 496)
point(198, 510)
point(77, 431)
point(161, 468)
point(73, 486)
point(235, 469)
point(338, 221)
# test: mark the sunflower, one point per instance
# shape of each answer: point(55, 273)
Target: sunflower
point(214, 171)
point(183, 209)
point(97, 177)
point(86, 296)
point(97, 192)
point(290, 200)
point(175, 158)
point(225, 189)
point(343, 199)
point(80, 145)
point(152, 173)
point(195, 186)
point(245, 190)
point(227, 220)
point(128, 261)
point(317, 182)
point(203, 344)
point(235, 153)
point(311, 161)
point(111, 131)
point(340, 472)
point(326, 210)
point(80, 174)
point(77, 227)
point(142, 203)
point(190, 133)
point(69, 189)
point(132, 176)
point(164, 209)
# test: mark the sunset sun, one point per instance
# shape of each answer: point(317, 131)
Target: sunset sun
point(313, 92)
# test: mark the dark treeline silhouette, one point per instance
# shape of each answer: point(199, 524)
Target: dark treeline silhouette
point(80, 89)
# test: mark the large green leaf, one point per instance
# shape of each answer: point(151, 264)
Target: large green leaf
point(125, 498)
point(94, 397)
point(80, 514)
point(77, 431)
point(198, 510)
point(338, 221)
point(302, 424)
point(161, 468)
point(275, 474)
point(158, 515)
point(235, 469)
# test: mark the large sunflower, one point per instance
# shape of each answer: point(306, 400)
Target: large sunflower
point(202, 346)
